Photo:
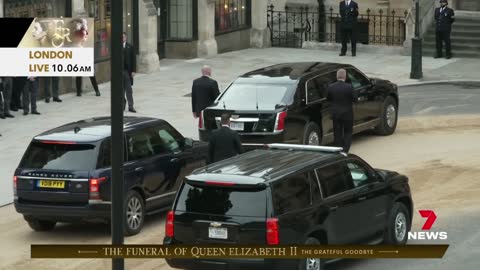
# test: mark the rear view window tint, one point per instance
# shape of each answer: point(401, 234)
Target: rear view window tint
point(60, 156)
point(335, 179)
point(222, 201)
point(291, 194)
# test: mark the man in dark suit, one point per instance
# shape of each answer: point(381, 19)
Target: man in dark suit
point(224, 142)
point(129, 69)
point(17, 91)
point(30, 93)
point(349, 14)
point(204, 91)
point(342, 96)
point(444, 18)
point(5, 96)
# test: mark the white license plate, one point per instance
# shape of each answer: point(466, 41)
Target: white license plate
point(236, 126)
point(217, 233)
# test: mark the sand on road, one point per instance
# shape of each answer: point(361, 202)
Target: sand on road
point(441, 157)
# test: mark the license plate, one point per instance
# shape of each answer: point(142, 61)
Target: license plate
point(236, 126)
point(217, 233)
point(51, 184)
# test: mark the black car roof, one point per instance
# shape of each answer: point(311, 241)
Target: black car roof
point(288, 72)
point(93, 129)
point(262, 165)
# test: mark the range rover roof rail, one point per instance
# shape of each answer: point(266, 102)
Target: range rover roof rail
point(292, 147)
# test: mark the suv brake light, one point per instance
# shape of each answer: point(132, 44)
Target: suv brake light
point(169, 232)
point(272, 234)
point(280, 121)
point(217, 183)
point(15, 179)
point(201, 124)
point(94, 188)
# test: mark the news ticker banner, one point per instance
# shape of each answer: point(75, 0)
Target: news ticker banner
point(237, 252)
point(47, 47)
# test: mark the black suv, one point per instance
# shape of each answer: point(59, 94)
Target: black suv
point(289, 195)
point(65, 174)
point(287, 103)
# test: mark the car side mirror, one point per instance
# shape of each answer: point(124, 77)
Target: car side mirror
point(188, 143)
point(373, 82)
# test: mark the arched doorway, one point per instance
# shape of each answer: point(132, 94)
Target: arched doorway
point(472, 5)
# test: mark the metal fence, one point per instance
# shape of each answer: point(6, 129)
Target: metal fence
point(291, 27)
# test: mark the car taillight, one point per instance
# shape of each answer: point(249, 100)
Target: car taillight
point(280, 121)
point(201, 124)
point(217, 183)
point(169, 224)
point(14, 185)
point(94, 188)
point(273, 237)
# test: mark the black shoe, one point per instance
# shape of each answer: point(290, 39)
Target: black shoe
point(36, 112)
point(448, 57)
point(14, 109)
point(97, 94)
point(9, 116)
point(354, 54)
point(25, 113)
point(57, 100)
point(47, 100)
point(2, 117)
point(79, 94)
point(132, 110)
point(438, 56)
point(342, 54)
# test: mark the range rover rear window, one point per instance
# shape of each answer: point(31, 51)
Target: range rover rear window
point(60, 156)
point(216, 200)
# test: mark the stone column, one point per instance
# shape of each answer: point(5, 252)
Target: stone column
point(147, 60)
point(207, 45)
point(259, 34)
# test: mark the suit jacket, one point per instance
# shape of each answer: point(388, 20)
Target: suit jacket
point(349, 14)
point(224, 143)
point(204, 92)
point(129, 60)
point(444, 19)
point(341, 96)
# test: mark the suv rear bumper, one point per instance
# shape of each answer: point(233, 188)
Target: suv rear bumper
point(231, 264)
point(204, 135)
point(66, 213)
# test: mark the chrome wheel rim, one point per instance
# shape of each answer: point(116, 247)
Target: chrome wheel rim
point(313, 264)
point(134, 213)
point(400, 227)
point(313, 138)
point(391, 115)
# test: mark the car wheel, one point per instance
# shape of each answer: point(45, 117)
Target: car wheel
point(398, 225)
point(134, 213)
point(40, 225)
point(312, 263)
point(388, 117)
point(312, 134)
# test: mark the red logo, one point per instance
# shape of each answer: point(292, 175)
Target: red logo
point(430, 216)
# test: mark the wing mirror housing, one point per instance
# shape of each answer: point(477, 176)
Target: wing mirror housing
point(188, 143)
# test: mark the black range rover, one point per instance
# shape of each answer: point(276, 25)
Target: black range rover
point(288, 195)
point(287, 103)
point(65, 174)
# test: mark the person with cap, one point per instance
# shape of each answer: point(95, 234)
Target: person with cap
point(224, 142)
point(444, 18)
point(349, 14)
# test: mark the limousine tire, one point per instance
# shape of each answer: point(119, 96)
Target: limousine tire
point(388, 117)
point(312, 263)
point(398, 225)
point(312, 134)
point(40, 225)
point(134, 213)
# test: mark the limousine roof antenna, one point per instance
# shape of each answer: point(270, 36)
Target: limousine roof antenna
point(256, 98)
point(224, 107)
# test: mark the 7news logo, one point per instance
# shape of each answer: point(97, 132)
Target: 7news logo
point(426, 234)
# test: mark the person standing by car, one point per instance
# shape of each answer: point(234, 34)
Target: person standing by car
point(30, 93)
point(349, 14)
point(444, 18)
point(129, 69)
point(224, 143)
point(342, 96)
point(204, 91)
point(5, 96)
point(53, 81)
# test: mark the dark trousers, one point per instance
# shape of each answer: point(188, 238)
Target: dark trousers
point(17, 90)
point(30, 93)
point(349, 34)
point(443, 36)
point(5, 96)
point(78, 82)
point(54, 83)
point(127, 89)
point(342, 132)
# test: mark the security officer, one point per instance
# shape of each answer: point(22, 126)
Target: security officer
point(224, 142)
point(349, 14)
point(444, 18)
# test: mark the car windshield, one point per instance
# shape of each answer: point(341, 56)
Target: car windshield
point(244, 96)
point(222, 201)
point(60, 156)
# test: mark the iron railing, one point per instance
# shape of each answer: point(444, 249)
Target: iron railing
point(291, 27)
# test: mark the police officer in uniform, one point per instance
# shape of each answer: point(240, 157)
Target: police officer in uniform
point(349, 14)
point(444, 18)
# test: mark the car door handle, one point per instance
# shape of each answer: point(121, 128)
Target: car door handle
point(334, 208)
point(362, 198)
point(174, 160)
point(139, 170)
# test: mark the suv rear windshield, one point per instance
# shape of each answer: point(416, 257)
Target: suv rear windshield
point(222, 201)
point(60, 156)
point(243, 96)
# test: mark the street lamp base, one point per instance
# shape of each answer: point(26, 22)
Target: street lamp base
point(416, 71)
